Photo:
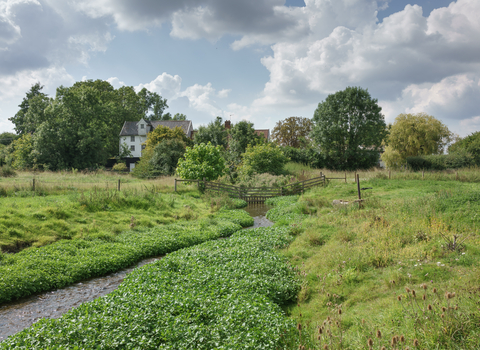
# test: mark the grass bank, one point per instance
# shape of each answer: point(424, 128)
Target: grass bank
point(222, 294)
point(400, 271)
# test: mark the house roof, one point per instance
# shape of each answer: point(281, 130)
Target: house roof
point(172, 124)
point(131, 128)
point(263, 132)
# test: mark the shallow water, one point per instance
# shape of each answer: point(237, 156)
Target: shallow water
point(21, 314)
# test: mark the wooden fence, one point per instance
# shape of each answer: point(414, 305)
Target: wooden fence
point(258, 194)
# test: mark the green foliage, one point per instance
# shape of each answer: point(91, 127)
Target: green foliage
point(32, 111)
point(166, 155)
point(349, 129)
point(202, 161)
point(62, 263)
point(414, 135)
point(441, 161)
point(469, 144)
point(7, 138)
point(23, 152)
point(179, 116)
point(120, 167)
point(263, 158)
point(161, 133)
point(243, 134)
point(224, 294)
point(238, 216)
point(7, 171)
point(152, 105)
point(214, 132)
point(292, 132)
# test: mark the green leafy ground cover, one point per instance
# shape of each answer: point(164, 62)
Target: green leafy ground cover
point(57, 265)
point(222, 294)
point(367, 261)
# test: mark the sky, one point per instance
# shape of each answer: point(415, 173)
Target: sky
point(256, 60)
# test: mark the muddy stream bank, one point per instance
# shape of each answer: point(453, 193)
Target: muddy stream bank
point(21, 314)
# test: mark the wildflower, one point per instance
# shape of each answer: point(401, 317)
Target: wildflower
point(379, 334)
point(370, 342)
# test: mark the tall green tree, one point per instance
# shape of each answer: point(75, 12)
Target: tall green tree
point(243, 134)
point(414, 135)
point(7, 138)
point(32, 110)
point(263, 158)
point(153, 105)
point(292, 131)
point(214, 132)
point(349, 129)
point(469, 144)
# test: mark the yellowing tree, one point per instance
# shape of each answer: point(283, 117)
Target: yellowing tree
point(415, 135)
point(290, 131)
point(161, 133)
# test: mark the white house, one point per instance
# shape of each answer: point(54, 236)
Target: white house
point(134, 135)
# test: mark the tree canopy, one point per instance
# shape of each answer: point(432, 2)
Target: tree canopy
point(292, 131)
point(263, 158)
point(469, 144)
point(349, 129)
point(202, 161)
point(79, 128)
point(414, 135)
point(214, 132)
point(243, 134)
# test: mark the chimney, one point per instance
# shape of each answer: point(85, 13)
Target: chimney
point(227, 124)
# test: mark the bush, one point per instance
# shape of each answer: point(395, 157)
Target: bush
point(7, 171)
point(119, 167)
point(202, 161)
point(441, 161)
point(263, 158)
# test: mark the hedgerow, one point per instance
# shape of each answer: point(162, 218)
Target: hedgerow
point(222, 294)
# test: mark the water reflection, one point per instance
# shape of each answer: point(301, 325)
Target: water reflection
point(258, 212)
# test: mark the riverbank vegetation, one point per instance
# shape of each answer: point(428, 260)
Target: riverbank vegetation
point(399, 270)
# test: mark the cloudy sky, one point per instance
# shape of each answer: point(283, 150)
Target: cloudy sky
point(258, 60)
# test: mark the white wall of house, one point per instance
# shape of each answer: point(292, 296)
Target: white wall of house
point(134, 144)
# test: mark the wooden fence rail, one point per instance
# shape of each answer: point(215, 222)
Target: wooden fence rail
point(258, 194)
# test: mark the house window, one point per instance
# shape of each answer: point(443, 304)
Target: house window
point(132, 138)
point(142, 126)
point(143, 146)
point(132, 148)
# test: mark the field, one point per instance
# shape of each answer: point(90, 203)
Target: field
point(399, 270)
point(403, 267)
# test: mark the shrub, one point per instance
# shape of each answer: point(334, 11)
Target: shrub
point(7, 171)
point(441, 161)
point(202, 161)
point(119, 167)
point(264, 158)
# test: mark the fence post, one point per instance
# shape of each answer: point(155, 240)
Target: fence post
point(456, 175)
point(355, 176)
point(358, 186)
point(33, 185)
point(175, 185)
point(345, 177)
point(119, 184)
point(389, 173)
point(423, 174)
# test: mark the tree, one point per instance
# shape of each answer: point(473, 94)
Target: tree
point(166, 155)
point(23, 157)
point(243, 134)
point(291, 131)
point(264, 158)
point(153, 105)
point(414, 135)
point(202, 161)
point(469, 144)
point(349, 129)
point(32, 110)
point(179, 116)
point(214, 132)
point(7, 138)
point(161, 133)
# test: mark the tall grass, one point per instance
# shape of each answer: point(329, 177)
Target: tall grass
point(365, 261)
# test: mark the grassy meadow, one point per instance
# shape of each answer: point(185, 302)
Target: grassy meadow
point(399, 271)
point(76, 205)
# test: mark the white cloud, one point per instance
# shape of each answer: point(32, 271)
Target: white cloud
point(115, 82)
point(166, 85)
point(224, 93)
point(200, 98)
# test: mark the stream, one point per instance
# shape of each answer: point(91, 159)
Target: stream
point(20, 314)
